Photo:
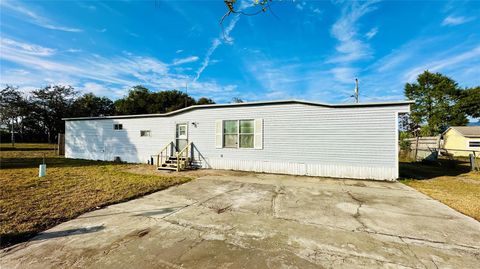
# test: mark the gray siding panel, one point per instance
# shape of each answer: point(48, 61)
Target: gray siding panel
point(358, 142)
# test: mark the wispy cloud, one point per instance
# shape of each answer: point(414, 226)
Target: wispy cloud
point(32, 17)
point(456, 20)
point(351, 47)
point(26, 48)
point(110, 76)
point(225, 37)
point(373, 32)
point(185, 60)
point(344, 74)
point(300, 5)
point(445, 63)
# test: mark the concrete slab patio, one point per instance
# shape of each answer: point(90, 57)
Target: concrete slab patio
point(261, 221)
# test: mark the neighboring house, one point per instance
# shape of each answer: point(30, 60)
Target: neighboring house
point(288, 137)
point(462, 140)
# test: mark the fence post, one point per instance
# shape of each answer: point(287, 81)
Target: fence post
point(416, 148)
point(472, 161)
point(61, 144)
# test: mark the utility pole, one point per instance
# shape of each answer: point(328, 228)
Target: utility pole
point(356, 90)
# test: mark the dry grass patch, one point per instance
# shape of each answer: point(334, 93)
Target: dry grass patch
point(453, 186)
point(30, 204)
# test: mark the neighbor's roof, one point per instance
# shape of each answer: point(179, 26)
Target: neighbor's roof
point(262, 103)
point(467, 131)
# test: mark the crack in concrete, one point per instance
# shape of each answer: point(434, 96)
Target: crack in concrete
point(413, 252)
point(203, 201)
point(357, 215)
point(192, 246)
point(434, 263)
point(343, 256)
point(429, 242)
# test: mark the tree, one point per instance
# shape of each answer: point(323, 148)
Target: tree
point(205, 101)
point(141, 101)
point(237, 100)
point(135, 102)
point(90, 105)
point(50, 105)
point(11, 108)
point(435, 106)
point(167, 101)
point(470, 102)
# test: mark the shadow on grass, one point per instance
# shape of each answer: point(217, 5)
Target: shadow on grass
point(14, 238)
point(50, 161)
point(429, 170)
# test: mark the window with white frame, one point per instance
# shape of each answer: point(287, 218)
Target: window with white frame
point(118, 126)
point(145, 133)
point(238, 133)
point(474, 144)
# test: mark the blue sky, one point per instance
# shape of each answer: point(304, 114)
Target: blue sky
point(310, 50)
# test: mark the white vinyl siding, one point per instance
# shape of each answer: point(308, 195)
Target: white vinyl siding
point(350, 142)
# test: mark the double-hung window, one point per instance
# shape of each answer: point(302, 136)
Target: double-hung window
point(238, 133)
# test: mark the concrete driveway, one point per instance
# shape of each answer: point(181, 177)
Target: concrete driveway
point(262, 221)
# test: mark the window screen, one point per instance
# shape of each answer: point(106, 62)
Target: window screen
point(230, 134)
point(238, 133)
point(246, 133)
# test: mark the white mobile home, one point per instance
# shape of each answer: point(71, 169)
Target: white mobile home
point(289, 137)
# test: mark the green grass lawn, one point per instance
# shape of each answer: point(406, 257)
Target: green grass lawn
point(454, 186)
point(30, 204)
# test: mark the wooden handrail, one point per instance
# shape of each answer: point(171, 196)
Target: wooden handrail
point(160, 155)
point(183, 163)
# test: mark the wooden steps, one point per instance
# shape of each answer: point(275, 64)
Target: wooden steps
point(171, 164)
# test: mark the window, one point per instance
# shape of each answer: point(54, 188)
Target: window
point(145, 133)
point(230, 134)
point(238, 133)
point(246, 133)
point(117, 126)
point(181, 130)
point(474, 144)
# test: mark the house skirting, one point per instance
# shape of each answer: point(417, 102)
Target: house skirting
point(305, 169)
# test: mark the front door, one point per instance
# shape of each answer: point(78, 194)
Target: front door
point(181, 136)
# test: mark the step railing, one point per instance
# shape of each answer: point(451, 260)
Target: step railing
point(183, 157)
point(165, 152)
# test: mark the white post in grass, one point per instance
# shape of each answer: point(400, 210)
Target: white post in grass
point(42, 169)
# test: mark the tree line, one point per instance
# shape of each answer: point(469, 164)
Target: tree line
point(37, 117)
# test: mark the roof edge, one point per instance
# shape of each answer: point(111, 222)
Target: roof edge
point(258, 103)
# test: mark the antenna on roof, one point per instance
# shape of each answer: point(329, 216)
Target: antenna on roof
point(355, 95)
